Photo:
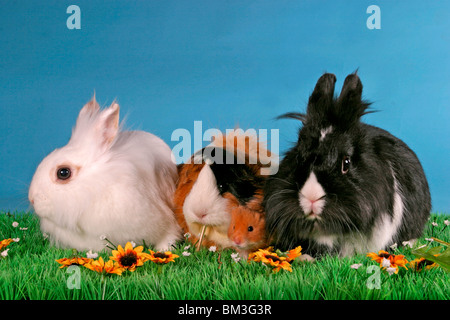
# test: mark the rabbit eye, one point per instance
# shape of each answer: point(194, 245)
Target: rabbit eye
point(345, 164)
point(63, 173)
point(250, 229)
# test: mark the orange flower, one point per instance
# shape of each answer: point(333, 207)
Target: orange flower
point(5, 243)
point(77, 261)
point(101, 267)
point(395, 261)
point(421, 264)
point(272, 259)
point(379, 257)
point(160, 257)
point(129, 258)
point(293, 254)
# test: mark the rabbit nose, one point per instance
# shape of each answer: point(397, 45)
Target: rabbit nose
point(312, 207)
point(31, 197)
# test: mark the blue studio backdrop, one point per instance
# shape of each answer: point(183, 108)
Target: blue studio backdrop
point(225, 63)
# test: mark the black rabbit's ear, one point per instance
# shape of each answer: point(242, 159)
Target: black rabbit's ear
point(351, 90)
point(350, 106)
point(322, 97)
point(319, 102)
point(324, 88)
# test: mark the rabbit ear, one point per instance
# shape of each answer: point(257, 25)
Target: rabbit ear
point(351, 90)
point(349, 104)
point(322, 96)
point(108, 124)
point(91, 108)
point(324, 88)
point(319, 102)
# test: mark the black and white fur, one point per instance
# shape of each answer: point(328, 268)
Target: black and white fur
point(346, 187)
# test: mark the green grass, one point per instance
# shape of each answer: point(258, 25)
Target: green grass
point(30, 272)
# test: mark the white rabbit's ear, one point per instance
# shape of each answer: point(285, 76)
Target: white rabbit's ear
point(108, 125)
point(91, 108)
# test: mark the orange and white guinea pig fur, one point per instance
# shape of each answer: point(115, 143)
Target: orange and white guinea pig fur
point(223, 178)
point(247, 230)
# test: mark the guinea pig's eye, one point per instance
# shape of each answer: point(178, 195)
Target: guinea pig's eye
point(63, 173)
point(345, 164)
point(250, 229)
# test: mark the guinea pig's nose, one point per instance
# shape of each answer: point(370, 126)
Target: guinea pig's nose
point(201, 213)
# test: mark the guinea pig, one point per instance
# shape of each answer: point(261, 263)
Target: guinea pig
point(106, 182)
point(247, 227)
point(226, 170)
point(346, 187)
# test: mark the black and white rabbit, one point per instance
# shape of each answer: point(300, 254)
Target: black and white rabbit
point(346, 187)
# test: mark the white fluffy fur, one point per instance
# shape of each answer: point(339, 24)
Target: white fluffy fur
point(122, 186)
point(205, 206)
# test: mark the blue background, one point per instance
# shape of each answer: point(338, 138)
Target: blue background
point(169, 63)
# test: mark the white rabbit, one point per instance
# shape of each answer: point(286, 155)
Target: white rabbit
point(106, 183)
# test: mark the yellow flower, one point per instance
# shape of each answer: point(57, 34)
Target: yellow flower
point(160, 257)
point(294, 253)
point(5, 243)
point(129, 258)
point(101, 267)
point(65, 262)
point(272, 259)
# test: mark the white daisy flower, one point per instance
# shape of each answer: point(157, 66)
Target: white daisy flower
point(186, 254)
point(5, 253)
point(91, 255)
point(407, 243)
point(385, 263)
point(356, 266)
point(15, 224)
point(235, 257)
point(391, 270)
point(213, 248)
